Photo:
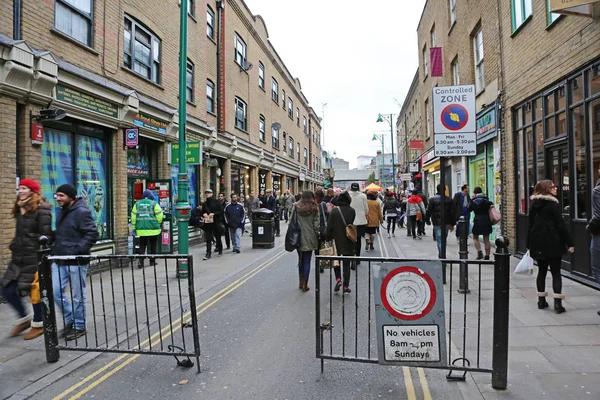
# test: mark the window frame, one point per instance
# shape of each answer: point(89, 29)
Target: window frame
point(516, 24)
point(551, 17)
point(298, 150)
point(283, 99)
point(478, 64)
point(189, 64)
point(210, 25)
point(89, 17)
point(275, 137)
point(305, 156)
point(452, 11)
point(211, 98)
point(192, 8)
point(427, 119)
point(298, 116)
point(244, 107)
point(425, 62)
point(290, 108)
point(135, 25)
point(261, 75)
point(304, 124)
point(433, 36)
point(291, 146)
point(274, 90)
point(261, 128)
point(455, 71)
point(236, 52)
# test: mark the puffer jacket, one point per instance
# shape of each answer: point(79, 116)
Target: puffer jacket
point(434, 211)
point(480, 205)
point(390, 207)
point(359, 203)
point(76, 232)
point(309, 228)
point(25, 244)
point(548, 234)
point(336, 230)
point(414, 205)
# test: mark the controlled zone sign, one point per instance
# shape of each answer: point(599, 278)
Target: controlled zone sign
point(409, 308)
point(454, 124)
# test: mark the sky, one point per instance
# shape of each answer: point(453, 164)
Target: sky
point(358, 58)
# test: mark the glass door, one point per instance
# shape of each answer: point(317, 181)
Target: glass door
point(559, 173)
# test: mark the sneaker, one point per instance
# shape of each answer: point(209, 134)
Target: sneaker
point(338, 285)
point(75, 334)
point(347, 290)
point(393, 235)
point(206, 257)
point(389, 237)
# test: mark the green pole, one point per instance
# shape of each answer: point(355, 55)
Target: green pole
point(393, 163)
point(382, 163)
point(182, 209)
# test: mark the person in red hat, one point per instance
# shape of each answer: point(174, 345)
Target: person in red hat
point(33, 219)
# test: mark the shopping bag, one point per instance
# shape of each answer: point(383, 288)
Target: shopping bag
point(495, 215)
point(525, 266)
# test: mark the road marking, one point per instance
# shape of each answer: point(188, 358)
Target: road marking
point(424, 385)
point(167, 331)
point(408, 383)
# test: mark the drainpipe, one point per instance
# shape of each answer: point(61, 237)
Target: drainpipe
point(220, 68)
point(17, 19)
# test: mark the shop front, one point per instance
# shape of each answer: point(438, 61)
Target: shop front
point(276, 184)
point(240, 179)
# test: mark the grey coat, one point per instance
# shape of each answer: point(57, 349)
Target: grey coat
point(309, 230)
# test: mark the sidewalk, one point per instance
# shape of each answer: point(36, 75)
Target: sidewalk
point(551, 356)
point(23, 367)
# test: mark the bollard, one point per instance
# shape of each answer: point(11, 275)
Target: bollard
point(463, 252)
point(501, 303)
point(47, 300)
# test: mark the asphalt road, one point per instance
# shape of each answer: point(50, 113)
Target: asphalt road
point(258, 342)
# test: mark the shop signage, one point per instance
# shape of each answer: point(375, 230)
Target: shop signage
point(262, 181)
point(413, 167)
point(417, 145)
point(454, 121)
point(302, 177)
point(406, 177)
point(486, 125)
point(276, 179)
point(193, 153)
point(151, 123)
point(580, 7)
point(132, 138)
point(37, 133)
point(83, 100)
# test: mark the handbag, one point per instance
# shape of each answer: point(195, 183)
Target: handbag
point(419, 216)
point(328, 249)
point(351, 232)
point(292, 236)
point(495, 215)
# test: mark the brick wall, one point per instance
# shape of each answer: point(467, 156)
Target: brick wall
point(8, 141)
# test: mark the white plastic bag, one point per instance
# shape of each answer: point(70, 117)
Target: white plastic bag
point(525, 266)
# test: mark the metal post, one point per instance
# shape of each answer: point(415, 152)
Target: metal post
point(182, 208)
point(463, 280)
point(47, 302)
point(393, 162)
point(442, 215)
point(382, 163)
point(501, 303)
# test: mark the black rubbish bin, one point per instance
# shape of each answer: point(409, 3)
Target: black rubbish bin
point(263, 228)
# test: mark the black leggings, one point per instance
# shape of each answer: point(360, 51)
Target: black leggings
point(391, 220)
point(555, 264)
point(413, 225)
point(346, 266)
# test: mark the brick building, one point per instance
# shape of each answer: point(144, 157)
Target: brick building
point(114, 66)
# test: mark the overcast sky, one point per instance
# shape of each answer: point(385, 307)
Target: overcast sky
point(358, 57)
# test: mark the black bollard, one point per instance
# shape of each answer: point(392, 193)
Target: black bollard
point(463, 252)
point(501, 303)
point(47, 299)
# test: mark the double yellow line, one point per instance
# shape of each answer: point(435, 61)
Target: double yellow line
point(166, 332)
point(408, 381)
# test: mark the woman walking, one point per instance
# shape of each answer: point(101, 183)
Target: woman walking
point(548, 239)
point(374, 218)
point(307, 213)
point(390, 211)
point(33, 219)
point(339, 218)
point(414, 207)
point(482, 225)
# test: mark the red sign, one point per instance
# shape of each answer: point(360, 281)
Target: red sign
point(402, 281)
point(151, 185)
point(163, 194)
point(417, 145)
point(37, 133)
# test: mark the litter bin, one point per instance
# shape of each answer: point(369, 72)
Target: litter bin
point(263, 228)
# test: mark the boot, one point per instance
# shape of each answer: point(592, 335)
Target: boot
point(305, 287)
point(542, 303)
point(480, 255)
point(371, 244)
point(558, 307)
point(34, 332)
point(300, 281)
point(22, 325)
point(367, 244)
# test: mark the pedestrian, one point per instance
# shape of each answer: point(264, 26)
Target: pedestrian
point(482, 225)
point(323, 217)
point(196, 217)
point(146, 217)
point(359, 203)
point(75, 234)
point(401, 210)
point(341, 216)
point(414, 207)
point(213, 223)
point(289, 204)
point(421, 222)
point(262, 198)
point(298, 196)
point(434, 215)
point(224, 203)
point(277, 211)
point(547, 240)
point(593, 228)
point(307, 213)
point(33, 219)
point(460, 204)
point(390, 211)
point(281, 205)
point(252, 204)
point(374, 218)
point(234, 219)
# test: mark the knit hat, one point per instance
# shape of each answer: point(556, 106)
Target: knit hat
point(31, 184)
point(148, 194)
point(68, 190)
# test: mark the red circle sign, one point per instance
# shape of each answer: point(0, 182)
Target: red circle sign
point(408, 293)
point(454, 117)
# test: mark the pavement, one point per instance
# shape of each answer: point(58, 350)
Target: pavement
point(550, 356)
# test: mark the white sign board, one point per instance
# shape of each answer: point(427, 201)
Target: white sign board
point(411, 343)
point(454, 123)
point(413, 167)
point(406, 177)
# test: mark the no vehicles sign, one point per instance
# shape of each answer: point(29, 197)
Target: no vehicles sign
point(454, 124)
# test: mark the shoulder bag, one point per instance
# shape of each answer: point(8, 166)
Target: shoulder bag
point(292, 237)
point(494, 214)
point(351, 232)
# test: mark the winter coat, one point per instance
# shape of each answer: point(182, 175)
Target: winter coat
point(593, 227)
point(414, 205)
point(76, 232)
point(336, 230)
point(548, 236)
point(25, 244)
point(252, 204)
point(323, 217)
point(480, 205)
point(289, 202)
point(309, 229)
point(390, 207)
point(434, 211)
point(146, 217)
point(212, 206)
point(375, 217)
point(458, 203)
point(235, 215)
point(359, 203)
point(271, 203)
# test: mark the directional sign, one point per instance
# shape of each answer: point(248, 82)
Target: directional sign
point(454, 124)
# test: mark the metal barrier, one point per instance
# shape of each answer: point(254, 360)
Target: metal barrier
point(120, 308)
point(478, 342)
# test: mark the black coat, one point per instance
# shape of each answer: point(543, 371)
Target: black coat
point(480, 205)
point(336, 230)
point(458, 205)
point(25, 244)
point(76, 232)
point(548, 235)
point(434, 211)
point(390, 206)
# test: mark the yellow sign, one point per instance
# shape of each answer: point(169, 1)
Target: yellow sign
point(572, 6)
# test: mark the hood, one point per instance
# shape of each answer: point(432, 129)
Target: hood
point(79, 203)
point(414, 199)
point(344, 199)
point(540, 201)
point(306, 208)
point(479, 198)
point(355, 194)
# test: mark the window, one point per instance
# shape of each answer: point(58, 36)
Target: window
point(192, 7)
point(455, 76)
point(427, 118)
point(452, 6)
point(290, 108)
point(478, 59)
point(74, 18)
point(425, 62)
point(297, 116)
point(550, 16)
point(142, 50)
point(298, 150)
point(210, 22)
point(284, 142)
point(305, 156)
point(275, 134)
point(433, 42)
point(240, 114)
point(304, 124)
point(189, 82)
point(210, 96)
point(291, 148)
point(521, 10)
point(240, 50)
point(261, 75)
point(274, 90)
point(261, 128)
point(283, 98)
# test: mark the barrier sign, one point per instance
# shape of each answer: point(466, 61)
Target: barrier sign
point(410, 313)
point(454, 124)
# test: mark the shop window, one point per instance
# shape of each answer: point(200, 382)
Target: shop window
point(539, 134)
point(594, 115)
point(210, 22)
point(274, 90)
point(581, 162)
point(261, 75)
point(210, 96)
point(521, 173)
point(141, 50)
point(530, 138)
point(240, 114)
point(528, 111)
point(189, 82)
point(595, 80)
point(576, 87)
point(261, 128)
point(75, 18)
point(521, 11)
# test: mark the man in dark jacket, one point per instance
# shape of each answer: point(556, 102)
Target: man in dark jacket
point(460, 203)
point(224, 203)
point(234, 218)
point(434, 214)
point(271, 204)
point(213, 223)
point(593, 229)
point(75, 235)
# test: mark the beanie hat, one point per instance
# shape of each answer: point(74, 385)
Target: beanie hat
point(31, 184)
point(354, 187)
point(68, 190)
point(148, 194)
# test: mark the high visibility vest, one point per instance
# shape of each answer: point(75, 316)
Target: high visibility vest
point(146, 216)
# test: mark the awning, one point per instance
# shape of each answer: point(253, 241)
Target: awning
point(418, 176)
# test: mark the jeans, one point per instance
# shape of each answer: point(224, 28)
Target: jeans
point(437, 230)
point(554, 264)
point(412, 225)
point(304, 265)
point(360, 232)
point(73, 314)
point(236, 236)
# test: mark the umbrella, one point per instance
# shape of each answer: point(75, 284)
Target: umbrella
point(373, 186)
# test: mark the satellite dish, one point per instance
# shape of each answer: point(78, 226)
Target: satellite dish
point(247, 66)
point(276, 126)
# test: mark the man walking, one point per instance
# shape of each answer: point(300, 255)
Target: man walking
point(252, 204)
point(213, 213)
point(75, 235)
point(272, 205)
point(146, 217)
point(234, 218)
point(359, 204)
point(224, 203)
point(289, 205)
point(434, 214)
point(593, 229)
point(460, 203)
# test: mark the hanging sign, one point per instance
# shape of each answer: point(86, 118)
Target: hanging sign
point(132, 138)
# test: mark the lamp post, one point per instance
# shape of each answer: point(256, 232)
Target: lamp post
point(382, 177)
point(390, 117)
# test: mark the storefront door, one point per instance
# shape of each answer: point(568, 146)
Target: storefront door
point(558, 170)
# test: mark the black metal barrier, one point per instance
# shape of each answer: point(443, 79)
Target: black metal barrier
point(477, 342)
point(129, 307)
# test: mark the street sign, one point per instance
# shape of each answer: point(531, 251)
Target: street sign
point(454, 123)
point(410, 313)
point(132, 137)
point(406, 177)
point(193, 152)
point(413, 167)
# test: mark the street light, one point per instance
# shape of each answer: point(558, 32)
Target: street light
point(390, 117)
point(382, 177)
